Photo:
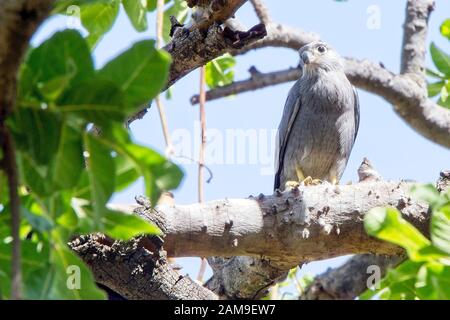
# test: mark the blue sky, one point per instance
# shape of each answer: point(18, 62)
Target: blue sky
point(395, 149)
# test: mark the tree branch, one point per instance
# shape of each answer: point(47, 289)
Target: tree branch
point(261, 11)
point(349, 280)
point(137, 270)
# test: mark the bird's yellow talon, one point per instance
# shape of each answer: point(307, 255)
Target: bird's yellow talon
point(292, 184)
point(308, 181)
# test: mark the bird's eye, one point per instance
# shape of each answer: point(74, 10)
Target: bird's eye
point(321, 49)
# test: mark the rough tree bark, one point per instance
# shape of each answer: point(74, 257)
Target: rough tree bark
point(268, 233)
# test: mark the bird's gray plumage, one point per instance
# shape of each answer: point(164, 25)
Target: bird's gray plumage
point(320, 120)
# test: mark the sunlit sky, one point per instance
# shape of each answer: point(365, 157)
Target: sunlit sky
point(396, 150)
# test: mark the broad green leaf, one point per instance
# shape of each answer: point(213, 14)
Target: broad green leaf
point(387, 224)
point(435, 74)
point(435, 88)
point(34, 257)
point(38, 221)
point(72, 279)
point(63, 6)
point(219, 72)
point(124, 226)
point(440, 59)
point(35, 177)
point(159, 174)
point(440, 229)
point(36, 133)
point(98, 17)
point(141, 73)
point(68, 161)
point(151, 4)
point(97, 100)
point(433, 282)
point(60, 61)
point(126, 173)
point(137, 13)
point(101, 171)
point(445, 29)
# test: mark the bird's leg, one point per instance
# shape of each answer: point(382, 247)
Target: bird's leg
point(309, 181)
point(294, 184)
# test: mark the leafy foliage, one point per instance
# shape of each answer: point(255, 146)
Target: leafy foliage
point(67, 172)
point(425, 274)
point(219, 72)
point(99, 16)
point(441, 85)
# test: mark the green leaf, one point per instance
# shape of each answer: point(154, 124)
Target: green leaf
point(126, 173)
point(101, 169)
point(68, 160)
point(141, 73)
point(159, 174)
point(435, 88)
point(440, 229)
point(99, 17)
point(34, 176)
point(435, 74)
point(387, 224)
point(445, 28)
point(72, 280)
point(219, 72)
point(36, 133)
point(61, 61)
point(137, 13)
point(444, 93)
point(440, 59)
point(433, 282)
point(124, 226)
point(97, 100)
point(38, 221)
point(33, 258)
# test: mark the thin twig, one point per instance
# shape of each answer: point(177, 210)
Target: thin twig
point(201, 164)
point(256, 81)
point(9, 163)
point(159, 104)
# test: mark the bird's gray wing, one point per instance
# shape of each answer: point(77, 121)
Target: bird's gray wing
point(290, 113)
point(356, 97)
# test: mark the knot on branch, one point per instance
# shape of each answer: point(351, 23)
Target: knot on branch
point(239, 39)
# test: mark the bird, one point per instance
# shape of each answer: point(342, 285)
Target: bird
point(320, 121)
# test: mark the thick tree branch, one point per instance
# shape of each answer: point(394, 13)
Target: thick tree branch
point(261, 11)
point(276, 232)
point(287, 226)
point(414, 46)
point(349, 280)
point(137, 270)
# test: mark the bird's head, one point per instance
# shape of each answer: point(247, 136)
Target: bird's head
point(317, 56)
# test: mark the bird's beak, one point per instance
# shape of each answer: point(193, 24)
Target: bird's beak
point(307, 57)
